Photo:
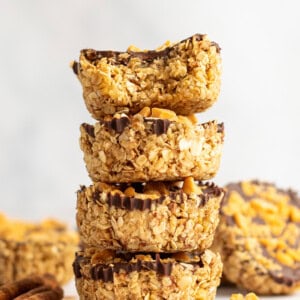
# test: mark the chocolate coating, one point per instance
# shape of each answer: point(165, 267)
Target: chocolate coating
point(117, 124)
point(119, 200)
point(105, 272)
point(147, 56)
point(89, 129)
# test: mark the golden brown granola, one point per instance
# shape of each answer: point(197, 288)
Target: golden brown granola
point(152, 148)
point(155, 216)
point(184, 77)
point(28, 248)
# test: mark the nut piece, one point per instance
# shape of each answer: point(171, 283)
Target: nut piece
point(162, 113)
point(129, 192)
point(190, 187)
point(145, 112)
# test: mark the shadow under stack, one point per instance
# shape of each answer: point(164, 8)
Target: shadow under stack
point(148, 219)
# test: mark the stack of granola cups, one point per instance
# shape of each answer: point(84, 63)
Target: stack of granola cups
point(148, 219)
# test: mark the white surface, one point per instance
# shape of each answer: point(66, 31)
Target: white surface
point(223, 293)
point(41, 106)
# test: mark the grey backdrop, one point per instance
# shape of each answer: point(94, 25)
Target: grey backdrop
point(41, 165)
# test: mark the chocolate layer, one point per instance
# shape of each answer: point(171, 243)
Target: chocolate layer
point(89, 129)
point(159, 126)
point(161, 263)
point(117, 124)
point(147, 56)
point(133, 203)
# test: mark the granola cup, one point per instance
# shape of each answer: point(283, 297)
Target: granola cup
point(184, 77)
point(259, 237)
point(27, 249)
point(155, 217)
point(160, 146)
point(126, 276)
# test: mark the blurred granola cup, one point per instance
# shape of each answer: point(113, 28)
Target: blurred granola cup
point(154, 216)
point(109, 275)
point(184, 77)
point(28, 248)
point(259, 237)
point(153, 145)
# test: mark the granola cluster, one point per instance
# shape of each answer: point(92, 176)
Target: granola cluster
point(28, 248)
point(184, 77)
point(258, 237)
point(148, 219)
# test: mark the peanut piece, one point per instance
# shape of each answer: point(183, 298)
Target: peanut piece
point(163, 114)
point(189, 186)
point(284, 258)
point(145, 112)
point(102, 256)
point(193, 119)
point(129, 192)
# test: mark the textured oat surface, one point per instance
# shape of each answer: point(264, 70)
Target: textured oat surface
point(184, 77)
point(151, 149)
point(197, 279)
point(158, 217)
point(258, 238)
point(27, 248)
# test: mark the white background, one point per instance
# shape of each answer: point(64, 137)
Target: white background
point(41, 109)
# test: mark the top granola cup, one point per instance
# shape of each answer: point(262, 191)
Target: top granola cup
point(259, 237)
point(36, 248)
point(184, 77)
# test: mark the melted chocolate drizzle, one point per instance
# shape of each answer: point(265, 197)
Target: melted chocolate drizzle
point(147, 56)
point(117, 124)
point(105, 272)
point(175, 193)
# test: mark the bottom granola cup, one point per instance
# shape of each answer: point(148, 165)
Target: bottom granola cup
point(28, 248)
point(111, 275)
point(152, 217)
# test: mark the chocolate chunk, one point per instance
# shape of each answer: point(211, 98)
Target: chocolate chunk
point(76, 266)
point(76, 67)
point(217, 46)
point(89, 129)
point(212, 190)
point(96, 195)
point(159, 126)
point(117, 124)
point(220, 128)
